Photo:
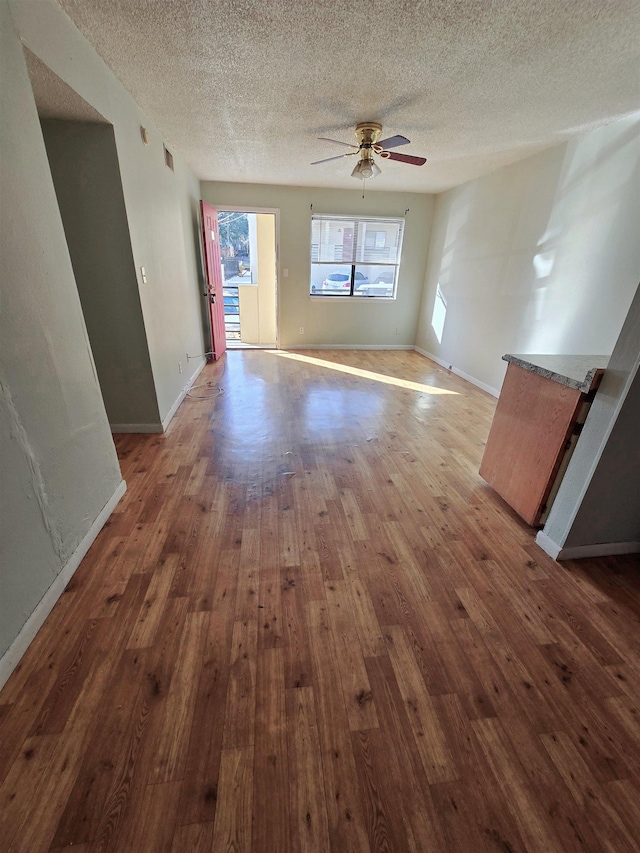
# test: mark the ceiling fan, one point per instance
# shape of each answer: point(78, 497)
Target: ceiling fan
point(368, 134)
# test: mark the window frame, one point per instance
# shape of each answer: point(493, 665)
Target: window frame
point(359, 247)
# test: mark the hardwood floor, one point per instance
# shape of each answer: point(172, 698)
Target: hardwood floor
point(311, 626)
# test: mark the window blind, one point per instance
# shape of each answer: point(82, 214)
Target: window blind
point(355, 240)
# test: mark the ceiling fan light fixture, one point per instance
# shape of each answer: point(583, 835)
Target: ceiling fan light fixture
point(368, 135)
point(365, 168)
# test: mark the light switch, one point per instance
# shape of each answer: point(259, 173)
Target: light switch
point(285, 273)
point(143, 274)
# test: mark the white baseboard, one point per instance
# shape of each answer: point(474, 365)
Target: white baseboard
point(167, 419)
point(14, 653)
point(161, 427)
point(119, 428)
point(351, 346)
point(548, 545)
point(579, 552)
point(495, 392)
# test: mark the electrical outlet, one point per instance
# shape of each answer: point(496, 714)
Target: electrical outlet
point(302, 330)
point(285, 273)
point(397, 330)
point(179, 367)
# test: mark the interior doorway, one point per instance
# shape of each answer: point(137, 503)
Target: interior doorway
point(248, 258)
point(85, 171)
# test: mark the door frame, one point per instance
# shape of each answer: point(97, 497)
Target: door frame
point(243, 208)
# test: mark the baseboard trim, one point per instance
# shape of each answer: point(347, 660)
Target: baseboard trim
point(143, 428)
point(580, 552)
point(161, 427)
point(16, 650)
point(548, 545)
point(605, 549)
point(352, 346)
point(495, 392)
point(167, 419)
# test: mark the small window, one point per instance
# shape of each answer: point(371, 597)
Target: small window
point(354, 256)
point(168, 158)
point(375, 240)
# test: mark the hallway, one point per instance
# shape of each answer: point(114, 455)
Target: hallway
point(311, 626)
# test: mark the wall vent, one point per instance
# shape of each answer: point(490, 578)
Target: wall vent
point(168, 158)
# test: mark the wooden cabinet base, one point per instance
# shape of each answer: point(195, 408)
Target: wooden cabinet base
point(533, 422)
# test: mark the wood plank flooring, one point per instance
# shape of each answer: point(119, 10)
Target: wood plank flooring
point(311, 626)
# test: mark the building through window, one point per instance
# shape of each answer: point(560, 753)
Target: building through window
point(355, 256)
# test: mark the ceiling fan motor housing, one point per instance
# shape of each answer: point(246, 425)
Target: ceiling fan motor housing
point(367, 134)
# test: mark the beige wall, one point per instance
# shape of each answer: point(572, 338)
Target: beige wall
point(161, 205)
point(337, 322)
point(86, 176)
point(58, 463)
point(258, 302)
point(59, 466)
point(541, 256)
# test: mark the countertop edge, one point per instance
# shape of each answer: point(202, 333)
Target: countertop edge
point(584, 385)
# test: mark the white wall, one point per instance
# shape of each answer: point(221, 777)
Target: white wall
point(161, 205)
point(598, 502)
point(365, 322)
point(542, 256)
point(59, 467)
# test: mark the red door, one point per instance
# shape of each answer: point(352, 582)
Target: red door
point(215, 297)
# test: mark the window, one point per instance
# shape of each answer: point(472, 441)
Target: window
point(355, 256)
point(375, 239)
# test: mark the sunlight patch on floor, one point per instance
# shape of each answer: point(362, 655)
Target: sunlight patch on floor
point(365, 374)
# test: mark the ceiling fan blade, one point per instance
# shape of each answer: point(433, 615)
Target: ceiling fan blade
point(393, 142)
point(404, 158)
point(336, 142)
point(326, 160)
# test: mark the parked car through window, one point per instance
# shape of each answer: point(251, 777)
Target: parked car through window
point(355, 256)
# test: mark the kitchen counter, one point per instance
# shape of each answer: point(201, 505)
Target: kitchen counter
point(574, 371)
point(542, 405)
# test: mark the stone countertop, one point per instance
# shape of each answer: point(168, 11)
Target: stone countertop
point(575, 371)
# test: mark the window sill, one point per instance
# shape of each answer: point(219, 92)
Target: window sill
point(358, 299)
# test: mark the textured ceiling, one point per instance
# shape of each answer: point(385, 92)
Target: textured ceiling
point(54, 99)
point(242, 88)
